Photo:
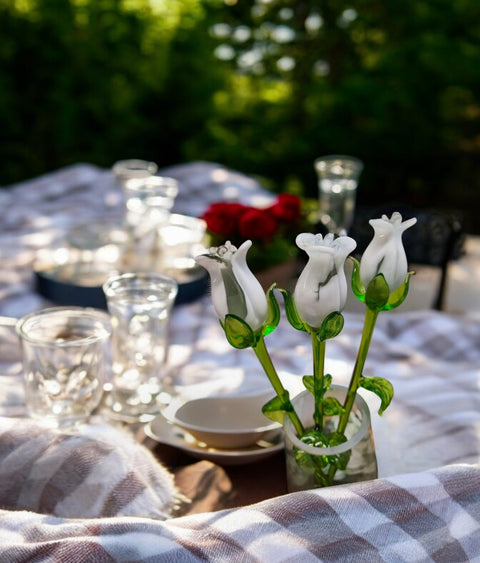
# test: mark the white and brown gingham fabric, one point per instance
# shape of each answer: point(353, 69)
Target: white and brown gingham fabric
point(100, 471)
point(431, 516)
point(424, 507)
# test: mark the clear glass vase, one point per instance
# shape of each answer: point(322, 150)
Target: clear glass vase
point(315, 469)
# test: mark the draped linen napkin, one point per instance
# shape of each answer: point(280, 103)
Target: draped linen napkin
point(427, 516)
point(100, 471)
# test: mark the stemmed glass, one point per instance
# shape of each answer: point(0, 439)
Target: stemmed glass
point(337, 184)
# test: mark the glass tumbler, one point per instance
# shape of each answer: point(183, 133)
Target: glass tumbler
point(148, 204)
point(181, 239)
point(133, 168)
point(338, 177)
point(140, 306)
point(64, 351)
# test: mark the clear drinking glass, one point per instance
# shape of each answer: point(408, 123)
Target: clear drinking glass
point(132, 168)
point(140, 306)
point(64, 352)
point(181, 239)
point(95, 251)
point(148, 204)
point(337, 184)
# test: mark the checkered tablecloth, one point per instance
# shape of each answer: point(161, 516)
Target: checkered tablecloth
point(425, 506)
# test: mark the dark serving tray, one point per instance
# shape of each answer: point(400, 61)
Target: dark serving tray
point(71, 284)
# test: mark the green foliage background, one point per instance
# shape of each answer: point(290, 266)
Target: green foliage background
point(394, 83)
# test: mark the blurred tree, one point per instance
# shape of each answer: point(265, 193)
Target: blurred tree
point(263, 86)
point(395, 83)
point(95, 80)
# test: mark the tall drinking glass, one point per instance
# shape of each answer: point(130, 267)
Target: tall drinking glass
point(148, 204)
point(337, 184)
point(140, 306)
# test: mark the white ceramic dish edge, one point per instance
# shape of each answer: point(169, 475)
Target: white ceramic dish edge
point(164, 432)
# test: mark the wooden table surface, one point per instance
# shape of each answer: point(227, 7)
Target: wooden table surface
point(213, 486)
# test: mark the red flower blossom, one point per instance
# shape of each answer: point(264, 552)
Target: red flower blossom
point(287, 208)
point(257, 224)
point(222, 218)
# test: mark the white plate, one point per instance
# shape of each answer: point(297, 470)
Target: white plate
point(166, 433)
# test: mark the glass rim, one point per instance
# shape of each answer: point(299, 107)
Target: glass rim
point(134, 164)
point(334, 450)
point(185, 221)
point(152, 183)
point(141, 280)
point(353, 161)
point(73, 312)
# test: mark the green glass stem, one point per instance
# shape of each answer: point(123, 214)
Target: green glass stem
point(368, 327)
point(318, 347)
point(264, 357)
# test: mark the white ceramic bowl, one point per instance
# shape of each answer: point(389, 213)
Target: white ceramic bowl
point(223, 422)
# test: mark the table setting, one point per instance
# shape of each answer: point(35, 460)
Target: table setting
point(108, 486)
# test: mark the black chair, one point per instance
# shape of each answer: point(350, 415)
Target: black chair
point(435, 240)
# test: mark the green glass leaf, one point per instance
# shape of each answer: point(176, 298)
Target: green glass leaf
point(317, 439)
point(377, 293)
point(273, 315)
point(316, 462)
point(327, 381)
point(332, 407)
point(332, 326)
point(309, 383)
point(340, 461)
point(343, 459)
point(336, 438)
point(381, 387)
point(322, 464)
point(314, 437)
point(357, 286)
point(277, 407)
point(238, 333)
point(291, 311)
point(398, 296)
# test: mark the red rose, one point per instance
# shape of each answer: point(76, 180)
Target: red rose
point(257, 224)
point(222, 218)
point(287, 208)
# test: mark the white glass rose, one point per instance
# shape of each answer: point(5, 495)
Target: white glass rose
point(247, 315)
